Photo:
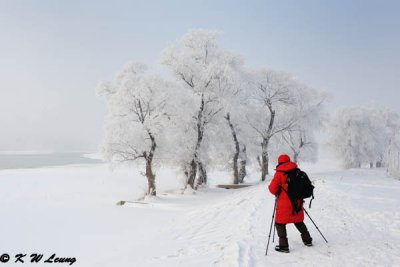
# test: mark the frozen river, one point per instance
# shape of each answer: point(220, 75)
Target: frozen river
point(31, 160)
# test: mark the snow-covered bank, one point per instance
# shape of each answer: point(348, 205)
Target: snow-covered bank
point(71, 211)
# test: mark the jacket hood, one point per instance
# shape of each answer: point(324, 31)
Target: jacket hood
point(287, 166)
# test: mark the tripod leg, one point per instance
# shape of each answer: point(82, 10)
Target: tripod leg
point(315, 226)
point(273, 236)
point(270, 228)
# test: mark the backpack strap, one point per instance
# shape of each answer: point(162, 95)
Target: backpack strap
point(312, 197)
point(295, 208)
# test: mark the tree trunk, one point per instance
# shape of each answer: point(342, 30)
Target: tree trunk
point(264, 159)
point(264, 144)
point(200, 132)
point(237, 150)
point(151, 179)
point(192, 173)
point(296, 152)
point(235, 168)
point(264, 170)
point(295, 156)
point(202, 175)
point(243, 161)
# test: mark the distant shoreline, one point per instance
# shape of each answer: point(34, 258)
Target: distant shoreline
point(28, 159)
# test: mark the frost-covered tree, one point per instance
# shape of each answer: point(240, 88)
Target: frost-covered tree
point(232, 133)
point(392, 155)
point(361, 134)
point(196, 61)
point(241, 133)
point(237, 146)
point(310, 114)
point(271, 101)
point(137, 114)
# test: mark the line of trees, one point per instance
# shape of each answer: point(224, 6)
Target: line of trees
point(212, 110)
point(366, 135)
point(392, 156)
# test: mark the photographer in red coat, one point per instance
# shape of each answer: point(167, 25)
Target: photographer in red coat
point(284, 210)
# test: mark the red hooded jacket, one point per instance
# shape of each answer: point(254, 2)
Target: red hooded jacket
point(284, 210)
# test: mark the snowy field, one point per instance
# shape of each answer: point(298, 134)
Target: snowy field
point(72, 211)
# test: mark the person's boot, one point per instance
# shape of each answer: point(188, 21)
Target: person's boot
point(305, 235)
point(307, 240)
point(308, 244)
point(282, 249)
point(283, 241)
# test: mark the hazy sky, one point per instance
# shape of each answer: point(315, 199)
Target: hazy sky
point(53, 53)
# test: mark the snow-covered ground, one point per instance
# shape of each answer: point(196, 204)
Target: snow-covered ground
point(71, 211)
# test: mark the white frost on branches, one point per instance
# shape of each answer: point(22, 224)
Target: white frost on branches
point(216, 112)
point(198, 63)
point(392, 156)
point(310, 115)
point(137, 115)
point(361, 135)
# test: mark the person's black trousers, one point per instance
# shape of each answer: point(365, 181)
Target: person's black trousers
point(281, 230)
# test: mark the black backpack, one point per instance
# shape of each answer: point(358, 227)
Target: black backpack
point(299, 188)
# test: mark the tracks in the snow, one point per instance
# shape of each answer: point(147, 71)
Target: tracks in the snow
point(221, 232)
